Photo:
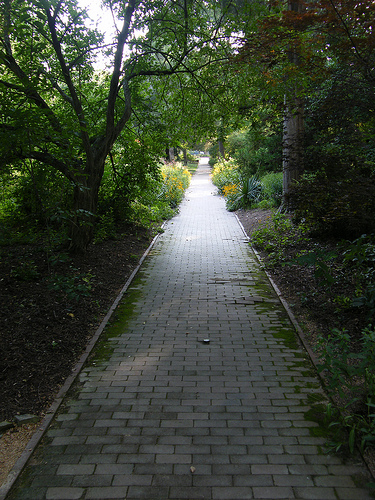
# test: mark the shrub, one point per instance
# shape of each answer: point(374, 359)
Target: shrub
point(244, 194)
point(351, 376)
point(147, 215)
point(106, 227)
point(257, 149)
point(225, 173)
point(176, 179)
point(276, 236)
point(343, 209)
point(359, 260)
point(272, 188)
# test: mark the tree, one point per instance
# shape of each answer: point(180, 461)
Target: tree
point(60, 113)
point(293, 125)
point(298, 46)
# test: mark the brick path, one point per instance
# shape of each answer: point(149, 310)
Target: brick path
point(166, 415)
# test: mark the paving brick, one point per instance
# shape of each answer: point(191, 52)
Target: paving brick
point(142, 492)
point(274, 492)
point(234, 493)
point(110, 493)
point(64, 493)
point(71, 470)
point(90, 480)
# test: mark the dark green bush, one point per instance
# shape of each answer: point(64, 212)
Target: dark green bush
point(272, 187)
point(341, 209)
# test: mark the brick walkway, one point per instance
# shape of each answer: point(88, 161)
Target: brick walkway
point(165, 415)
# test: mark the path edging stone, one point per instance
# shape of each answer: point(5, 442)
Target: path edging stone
point(285, 304)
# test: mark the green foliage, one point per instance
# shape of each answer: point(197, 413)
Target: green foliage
point(106, 227)
point(359, 259)
point(72, 287)
point(147, 215)
point(225, 173)
point(318, 259)
point(272, 187)
point(243, 192)
point(276, 236)
point(247, 192)
point(344, 370)
point(339, 125)
point(265, 204)
point(335, 208)
point(133, 171)
point(176, 179)
point(257, 148)
point(26, 271)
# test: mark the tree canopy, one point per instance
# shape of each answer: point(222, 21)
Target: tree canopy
point(178, 72)
point(56, 110)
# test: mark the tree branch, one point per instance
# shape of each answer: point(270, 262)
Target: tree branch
point(113, 90)
point(77, 106)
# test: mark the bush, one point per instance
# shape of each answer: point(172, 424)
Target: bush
point(276, 236)
point(225, 173)
point(176, 179)
point(343, 209)
point(272, 188)
point(350, 376)
point(244, 194)
point(147, 215)
point(258, 149)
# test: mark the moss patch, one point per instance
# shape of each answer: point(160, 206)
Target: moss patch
point(117, 324)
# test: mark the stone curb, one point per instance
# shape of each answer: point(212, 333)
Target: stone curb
point(51, 412)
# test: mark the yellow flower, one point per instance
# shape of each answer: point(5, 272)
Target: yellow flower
point(230, 189)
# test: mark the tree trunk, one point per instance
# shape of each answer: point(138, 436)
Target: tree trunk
point(184, 151)
point(171, 155)
point(293, 126)
point(293, 148)
point(221, 148)
point(85, 205)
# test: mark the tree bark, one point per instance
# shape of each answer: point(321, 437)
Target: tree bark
point(184, 151)
point(85, 204)
point(293, 126)
point(221, 148)
point(293, 147)
point(171, 156)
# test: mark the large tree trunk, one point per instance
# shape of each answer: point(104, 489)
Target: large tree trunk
point(293, 126)
point(293, 147)
point(85, 205)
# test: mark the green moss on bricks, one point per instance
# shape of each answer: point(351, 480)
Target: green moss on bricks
point(117, 324)
point(287, 335)
point(317, 414)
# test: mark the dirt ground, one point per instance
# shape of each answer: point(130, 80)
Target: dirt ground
point(47, 320)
